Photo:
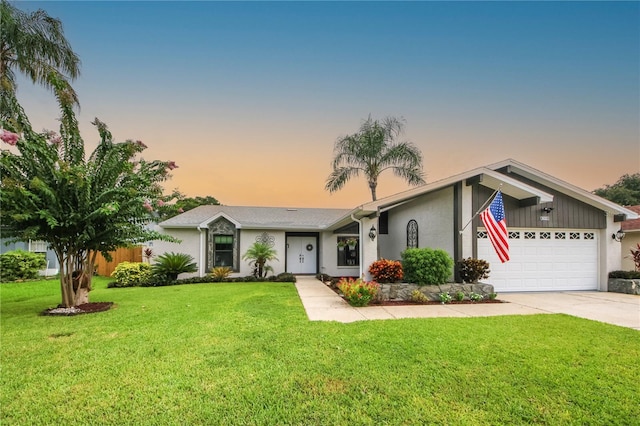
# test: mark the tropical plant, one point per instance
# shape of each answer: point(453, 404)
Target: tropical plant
point(34, 45)
point(20, 265)
point(258, 255)
point(635, 256)
point(426, 266)
point(371, 151)
point(386, 271)
point(172, 264)
point(357, 291)
point(220, 273)
point(473, 270)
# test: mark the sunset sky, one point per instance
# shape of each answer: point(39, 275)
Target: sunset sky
point(248, 98)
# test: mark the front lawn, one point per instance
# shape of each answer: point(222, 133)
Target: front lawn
point(245, 353)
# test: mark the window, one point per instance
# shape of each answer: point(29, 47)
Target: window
point(38, 246)
point(412, 234)
point(348, 251)
point(223, 250)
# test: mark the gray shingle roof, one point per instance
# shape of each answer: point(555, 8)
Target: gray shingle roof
point(260, 217)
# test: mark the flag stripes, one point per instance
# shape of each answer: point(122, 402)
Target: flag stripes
point(494, 221)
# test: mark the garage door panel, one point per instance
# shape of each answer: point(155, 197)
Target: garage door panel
point(544, 261)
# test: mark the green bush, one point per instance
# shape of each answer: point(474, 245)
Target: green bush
point(627, 275)
point(173, 264)
point(426, 266)
point(20, 265)
point(131, 274)
point(473, 270)
point(286, 277)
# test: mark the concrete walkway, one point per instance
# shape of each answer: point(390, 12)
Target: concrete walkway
point(323, 304)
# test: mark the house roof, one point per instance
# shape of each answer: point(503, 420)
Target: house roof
point(302, 219)
point(495, 176)
point(632, 224)
point(491, 177)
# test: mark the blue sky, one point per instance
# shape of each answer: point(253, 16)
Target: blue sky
point(249, 97)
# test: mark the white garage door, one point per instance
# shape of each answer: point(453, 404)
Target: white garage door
point(544, 260)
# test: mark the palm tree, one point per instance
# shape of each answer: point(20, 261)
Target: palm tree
point(259, 254)
point(372, 150)
point(34, 44)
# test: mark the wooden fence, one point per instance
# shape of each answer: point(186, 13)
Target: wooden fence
point(133, 254)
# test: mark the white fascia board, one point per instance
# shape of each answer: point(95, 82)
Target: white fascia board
point(566, 188)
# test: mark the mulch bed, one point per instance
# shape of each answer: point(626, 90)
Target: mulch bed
point(453, 302)
point(86, 308)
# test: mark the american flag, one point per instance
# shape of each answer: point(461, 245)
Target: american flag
point(493, 219)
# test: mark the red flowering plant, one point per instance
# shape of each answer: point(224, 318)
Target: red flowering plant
point(386, 271)
point(357, 291)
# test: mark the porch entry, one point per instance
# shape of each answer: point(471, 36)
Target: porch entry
point(302, 254)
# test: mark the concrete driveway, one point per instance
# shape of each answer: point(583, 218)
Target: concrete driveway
point(323, 304)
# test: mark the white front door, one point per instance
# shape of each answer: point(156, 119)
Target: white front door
point(302, 255)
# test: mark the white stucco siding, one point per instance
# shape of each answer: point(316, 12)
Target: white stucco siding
point(248, 237)
point(434, 214)
point(190, 244)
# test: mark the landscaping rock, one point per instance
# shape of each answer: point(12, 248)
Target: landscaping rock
point(620, 285)
point(402, 291)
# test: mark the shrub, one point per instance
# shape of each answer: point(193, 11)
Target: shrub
point(173, 264)
point(459, 296)
point(357, 291)
point(445, 298)
point(475, 297)
point(131, 274)
point(493, 296)
point(418, 296)
point(426, 266)
point(286, 277)
point(627, 275)
point(21, 265)
point(473, 270)
point(220, 273)
point(386, 271)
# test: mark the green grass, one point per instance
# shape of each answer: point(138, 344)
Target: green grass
point(246, 354)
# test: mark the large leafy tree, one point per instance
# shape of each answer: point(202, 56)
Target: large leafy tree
point(626, 191)
point(80, 206)
point(371, 151)
point(33, 44)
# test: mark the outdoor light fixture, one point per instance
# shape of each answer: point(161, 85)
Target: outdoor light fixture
point(618, 236)
point(372, 233)
point(547, 209)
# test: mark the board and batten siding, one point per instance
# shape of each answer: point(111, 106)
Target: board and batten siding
point(567, 213)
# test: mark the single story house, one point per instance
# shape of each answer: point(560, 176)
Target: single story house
point(631, 229)
point(560, 236)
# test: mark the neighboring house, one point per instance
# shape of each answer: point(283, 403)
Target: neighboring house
point(631, 240)
point(36, 247)
point(559, 234)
